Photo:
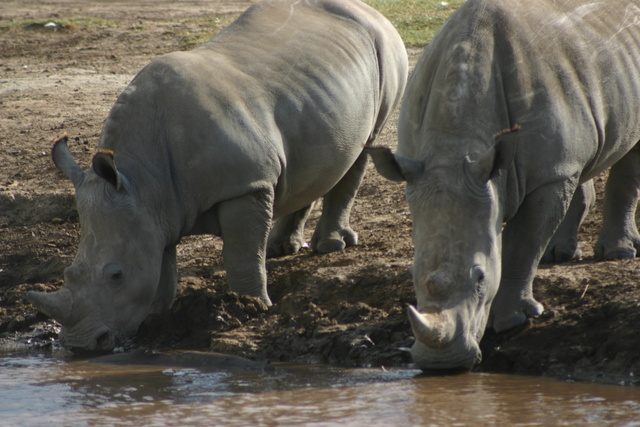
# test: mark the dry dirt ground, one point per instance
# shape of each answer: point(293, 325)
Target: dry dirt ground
point(346, 308)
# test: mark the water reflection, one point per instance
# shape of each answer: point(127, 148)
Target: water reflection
point(503, 399)
point(43, 390)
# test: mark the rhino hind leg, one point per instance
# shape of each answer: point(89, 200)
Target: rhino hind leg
point(564, 244)
point(333, 232)
point(287, 235)
point(619, 238)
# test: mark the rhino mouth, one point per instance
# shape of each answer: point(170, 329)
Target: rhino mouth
point(101, 341)
point(439, 344)
point(460, 356)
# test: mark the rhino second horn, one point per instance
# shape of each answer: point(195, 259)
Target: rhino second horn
point(434, 330)
point(55, 304)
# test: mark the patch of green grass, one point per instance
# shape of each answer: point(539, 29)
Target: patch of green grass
point(417, 21)
point(206, 27)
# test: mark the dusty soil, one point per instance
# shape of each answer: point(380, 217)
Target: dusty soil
point(346, 308)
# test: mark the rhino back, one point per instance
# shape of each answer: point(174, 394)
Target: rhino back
point(330, 71)
point(288, 93)
point(567, 72)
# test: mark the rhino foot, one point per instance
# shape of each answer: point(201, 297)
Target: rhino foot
point(627, 250)
point(504, 320)
point(330, 245)
point(619, 253)
point(287, 234)
point(336, 241)
point(561, 252)
point(278, 249)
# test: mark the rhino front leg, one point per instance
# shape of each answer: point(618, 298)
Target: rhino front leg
point(524, 240)
point(333, 232)
point(244, 226)
point(287, 235)
point(619, 238)
point(564, 244)
point(168, 281)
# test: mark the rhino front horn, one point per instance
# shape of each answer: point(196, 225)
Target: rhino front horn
point(55, 304)
point(434, 330)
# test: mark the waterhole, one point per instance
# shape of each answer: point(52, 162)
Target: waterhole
point(45, 389)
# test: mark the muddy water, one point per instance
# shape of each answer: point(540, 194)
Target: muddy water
point(47, 390)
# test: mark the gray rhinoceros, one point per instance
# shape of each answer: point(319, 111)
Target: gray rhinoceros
point(268, 116)
point(563, 78)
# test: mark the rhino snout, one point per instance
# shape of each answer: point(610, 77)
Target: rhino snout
point(461, 355)
point(437, 344)
point(99, 342)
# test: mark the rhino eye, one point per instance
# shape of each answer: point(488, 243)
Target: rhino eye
point(477, 276)
point(481, 277)
point(113, 273)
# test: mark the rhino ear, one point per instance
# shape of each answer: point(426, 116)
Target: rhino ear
point(506, 145)
point(394, 167)
point(63, 160)
point(104, 166)
point(491, 163)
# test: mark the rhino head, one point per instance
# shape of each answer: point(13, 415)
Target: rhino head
point(110, 287)
point(454, 200)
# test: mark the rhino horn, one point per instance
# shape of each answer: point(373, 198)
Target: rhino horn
point(434, 330)
point(64, 161)
point(54, 304)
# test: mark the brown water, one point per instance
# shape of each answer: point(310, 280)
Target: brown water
point(45, 390)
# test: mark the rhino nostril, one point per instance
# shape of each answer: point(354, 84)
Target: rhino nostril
point(104, 343)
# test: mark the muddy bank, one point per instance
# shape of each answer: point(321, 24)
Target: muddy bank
point(346, 308)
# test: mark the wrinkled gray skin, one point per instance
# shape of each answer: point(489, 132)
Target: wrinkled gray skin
point(568, 73)
point(564, 243)
point(265, 118)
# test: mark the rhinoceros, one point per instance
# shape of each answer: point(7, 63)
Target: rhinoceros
point(511, 109)
point(271, 114)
